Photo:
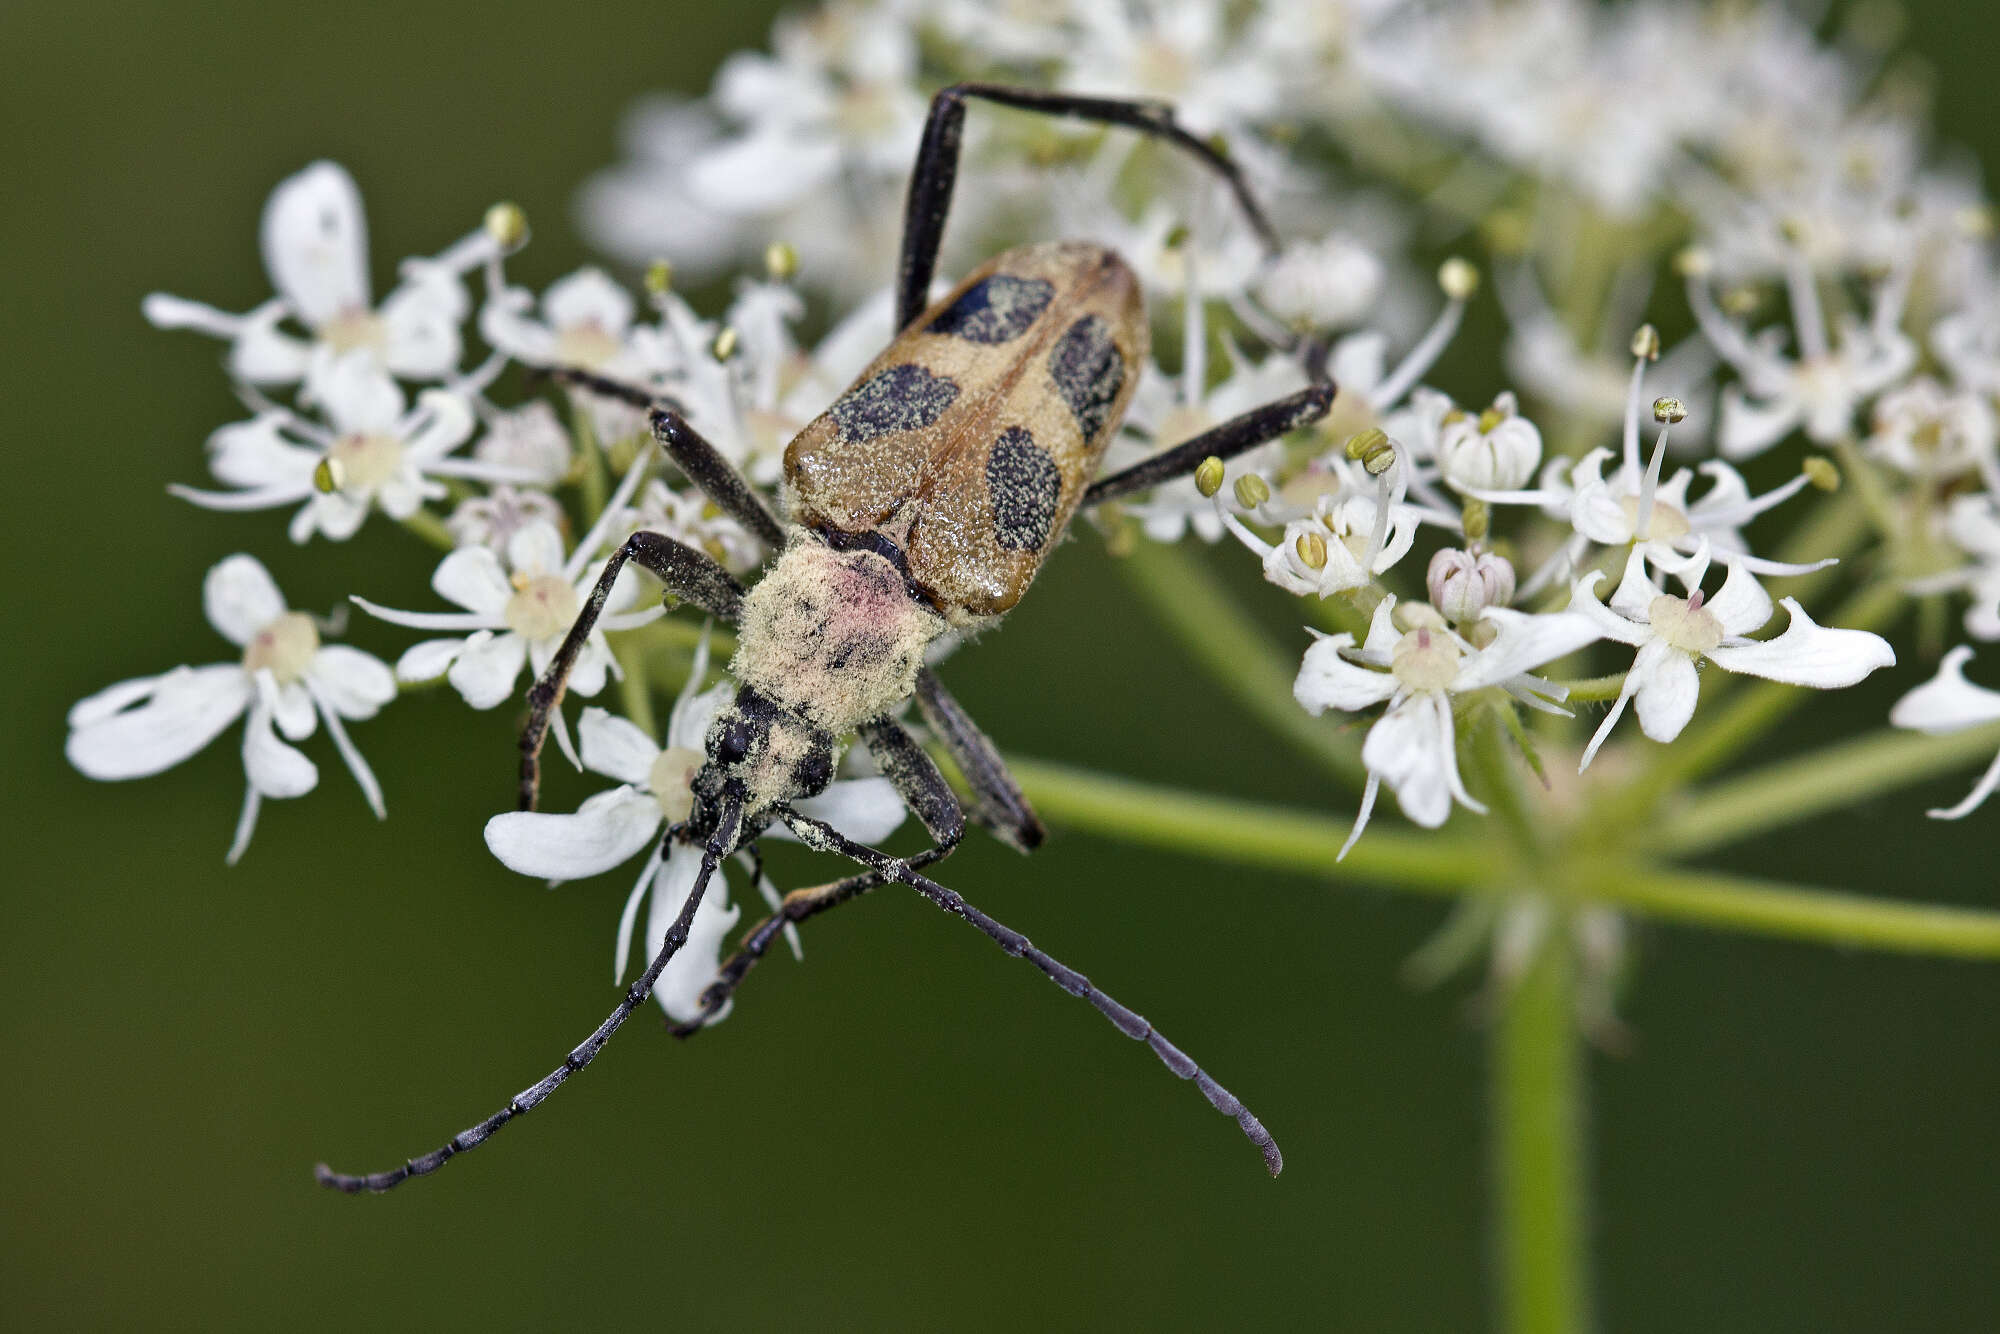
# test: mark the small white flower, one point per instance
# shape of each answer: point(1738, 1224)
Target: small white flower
point(528, 440)
point(614, 826)
point(689, 518)
point(1497, 450)
point(1950, 703)
point(372, 454)
point(286, 677)
point(1358, 530)
point(315, 243)
point(1413, 747)
point(584, 322)
point(492, 520)
point(1673, 634)
point(1928, 431)
point(1326, 284)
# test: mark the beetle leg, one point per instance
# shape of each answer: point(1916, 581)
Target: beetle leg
point(714, 475)
point(720, 844)
point(688, 574)
point(998, 806)
point(923, 789)
point(1231, 438)
point(936, 171)
point(820, 835)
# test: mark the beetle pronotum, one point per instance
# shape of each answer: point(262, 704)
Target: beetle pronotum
point(922, 501)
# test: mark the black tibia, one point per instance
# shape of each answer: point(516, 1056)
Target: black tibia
point(796, 907)
point(1231, 438)
point(936, 171)
point(689, 575)
point(720, 844)
point(998, 805)
point(818, 834)
point(916, 778)
point(691, 452)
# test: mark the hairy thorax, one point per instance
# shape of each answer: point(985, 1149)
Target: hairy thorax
point(834, 636)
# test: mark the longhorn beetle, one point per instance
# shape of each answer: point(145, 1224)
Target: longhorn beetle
point(922, 501)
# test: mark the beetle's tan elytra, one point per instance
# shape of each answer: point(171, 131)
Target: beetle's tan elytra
point(924, 500)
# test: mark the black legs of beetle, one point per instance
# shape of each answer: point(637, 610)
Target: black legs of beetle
point(687, 573)
point(936, 172)
point(720, 844)
point(827, 839)
point(1233, 437)
point(998, 805)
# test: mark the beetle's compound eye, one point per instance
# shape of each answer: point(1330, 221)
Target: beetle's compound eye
point(815, 771)
point(732, 742)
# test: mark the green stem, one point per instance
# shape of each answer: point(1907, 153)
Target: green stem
point(1738, 903)
point(1538, 1147)
point(1307, 843)
point(1503, 794)
point(431, 529)
point(1302, 842)
point(594, 481)
point(1212, 626)
point(634, 690)
point(1594, 690)
point(1831, 778)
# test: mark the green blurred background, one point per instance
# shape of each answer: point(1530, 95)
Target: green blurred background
point(909, 1131)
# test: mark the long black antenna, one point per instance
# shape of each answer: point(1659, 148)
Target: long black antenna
point(826, 838)
point(720, 844)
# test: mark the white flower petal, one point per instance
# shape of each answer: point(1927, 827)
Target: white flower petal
point(486, 668)
point(609, 829)
point(764, 171)
point(1667, 688)
point(352, 683)
point(291, 706)
point(1808, 654)
point(257, 455)
point(429, 660)
point(588, 299)
point(315, 241)
point(1527, 641)
point(1947, 702)
point(1415, 756)
point(182, 711)
point(867, 810)
point(240, 598)
point(358, 395)
point(108, 701)
point(472, 578)
point(1326, 680)
point(535, 548)
point(275, 769)
point(1742, 605)
point(420, 322)
point(444, 421)
point(690, 971)
point(616, 747)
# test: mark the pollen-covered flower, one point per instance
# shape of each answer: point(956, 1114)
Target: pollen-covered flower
point(614, 826)
point(286, 677)
point(315, 243)
point(1673, 634)
point(1950, 703)
point(1416, 671)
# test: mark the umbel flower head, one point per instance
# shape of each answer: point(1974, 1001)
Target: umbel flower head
point(286, 681)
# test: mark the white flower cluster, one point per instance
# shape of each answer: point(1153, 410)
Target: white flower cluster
point(1582, 145)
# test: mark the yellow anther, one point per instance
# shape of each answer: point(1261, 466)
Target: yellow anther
point(1177, 236)
point(1694, 262)
point(507, 225)
point(659, 278)
point(1669, 410)
point(1646, 343)
point(329, 476)
point(1459, 278)
point(1974, 221)
point(1312, 550)
point(1490, 420)
point(1252, 491)
point(1380, 461)
point(1364, 445)
point(781, 261)
point(1208, 477)
point(1821, 472)
point(1741, 299)
point(1477, 520)
point(725, 343)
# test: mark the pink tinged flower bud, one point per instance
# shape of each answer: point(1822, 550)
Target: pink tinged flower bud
point(1463, 584)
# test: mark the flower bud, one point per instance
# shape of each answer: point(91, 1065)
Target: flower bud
point(1496, 451)
point(1463, 584)
point(1459, 278)
point(1208, 477)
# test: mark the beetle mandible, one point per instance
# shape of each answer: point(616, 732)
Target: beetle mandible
point(924, 500)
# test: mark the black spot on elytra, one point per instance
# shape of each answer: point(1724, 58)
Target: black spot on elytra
point(1026, 486)
point(904, 397)
point(1088, 372)
point(998, 309)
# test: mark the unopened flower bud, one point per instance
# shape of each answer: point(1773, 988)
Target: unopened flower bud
point(1669, 410)
point(1459, 278)
point(1312, 550)
point(1463, 584)
point(781, 261)
point(1646, 343)
point(1496, 451)
point(1208, 477)
point(507, 225)
point(1821, 472)
point(1252, 491)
